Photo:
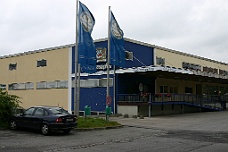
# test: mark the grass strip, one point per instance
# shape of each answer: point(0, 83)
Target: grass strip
point(88, 122)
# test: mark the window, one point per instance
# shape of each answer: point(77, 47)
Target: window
point(39, 112)
point(12, 66)
point(215, 70)
point(82, 83)
point(17, 86)
point(29, 111)
point(103, 82)
point(41, 63)
point(29, 85)
point(163, 89)
point(191, 66)
point(90, 83)
point(160, 61)
point(198, 67)
point(205, 69)
point(129, 55)
point(21, 86)
point(13, 86)
point(52, 84)
point(41, 85)
point(46, 113)
point(210, 69)
point(188, 90)
point(173, 90)
point(3, 86)
point(57, 110)
point(223, 72)
point(62, 84)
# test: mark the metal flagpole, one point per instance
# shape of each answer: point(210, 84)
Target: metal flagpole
point(114, 89)
point(76, 102)
point(108, 61)
point(78, 90)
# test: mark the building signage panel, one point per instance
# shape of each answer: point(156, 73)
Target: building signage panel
point(101, 54)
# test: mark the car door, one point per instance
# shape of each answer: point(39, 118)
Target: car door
point(37, 118)
point(25, 119)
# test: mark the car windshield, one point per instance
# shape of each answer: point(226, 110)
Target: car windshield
point(58, 110)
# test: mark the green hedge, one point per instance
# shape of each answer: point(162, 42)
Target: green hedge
point(8, 104)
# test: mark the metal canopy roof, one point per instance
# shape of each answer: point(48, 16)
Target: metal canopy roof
point(167, 73)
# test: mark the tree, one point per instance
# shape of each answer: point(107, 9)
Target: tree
point(8, 103)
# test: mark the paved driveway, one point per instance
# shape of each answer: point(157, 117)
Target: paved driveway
point(205, 121)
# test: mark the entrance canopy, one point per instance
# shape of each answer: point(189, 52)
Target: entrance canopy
point(168, 72)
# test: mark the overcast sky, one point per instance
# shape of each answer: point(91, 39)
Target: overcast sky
point(198, 27)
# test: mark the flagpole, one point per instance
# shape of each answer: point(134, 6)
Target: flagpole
point(108, 61)
point(114, 89)
point(76, 89)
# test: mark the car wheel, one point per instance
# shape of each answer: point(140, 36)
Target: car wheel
point(13, 125)
point(45, 130)
point(66, 131)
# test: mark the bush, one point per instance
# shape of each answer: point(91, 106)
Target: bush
point(8, 104)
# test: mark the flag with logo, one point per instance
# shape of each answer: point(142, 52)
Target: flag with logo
point(117, 52)
point(86, 47)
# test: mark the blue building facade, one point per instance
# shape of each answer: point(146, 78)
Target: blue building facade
point(95, 96)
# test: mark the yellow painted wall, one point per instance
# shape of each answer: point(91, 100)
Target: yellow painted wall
point(175, 60)
point(27, 71)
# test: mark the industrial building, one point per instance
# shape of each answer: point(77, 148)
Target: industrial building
point(155, 80)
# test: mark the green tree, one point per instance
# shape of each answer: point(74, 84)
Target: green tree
point(8, 103)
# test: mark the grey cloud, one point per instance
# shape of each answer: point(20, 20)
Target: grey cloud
point(196, 27)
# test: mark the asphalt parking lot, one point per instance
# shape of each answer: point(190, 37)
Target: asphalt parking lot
point(195, 132)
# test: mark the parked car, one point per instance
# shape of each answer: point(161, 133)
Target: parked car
point(47, 119)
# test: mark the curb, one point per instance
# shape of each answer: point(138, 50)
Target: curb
point(99, 128)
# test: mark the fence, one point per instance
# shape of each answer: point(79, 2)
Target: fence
point(198, 100)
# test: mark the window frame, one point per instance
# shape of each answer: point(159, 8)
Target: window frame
point(44, 83)
point(129, 55)
point(41, 63)
point(12, 66)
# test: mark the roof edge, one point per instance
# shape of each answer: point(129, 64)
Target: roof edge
point(105, 39)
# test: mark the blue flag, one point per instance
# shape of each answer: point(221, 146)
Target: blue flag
point(86, 47)
point(117, 52)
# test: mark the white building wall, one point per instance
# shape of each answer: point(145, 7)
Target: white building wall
point(128, 109)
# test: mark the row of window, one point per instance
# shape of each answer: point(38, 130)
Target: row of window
point(197, 67)
point(173, 89)
point(206, 89)
point(21, 86)
point(211, 70)
point(40, 63)
point(39, 85)
point(43, 62)
point(93, 83)
point(166, 89)
point(51, 84)
point(191, 66)
point(88, 83)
